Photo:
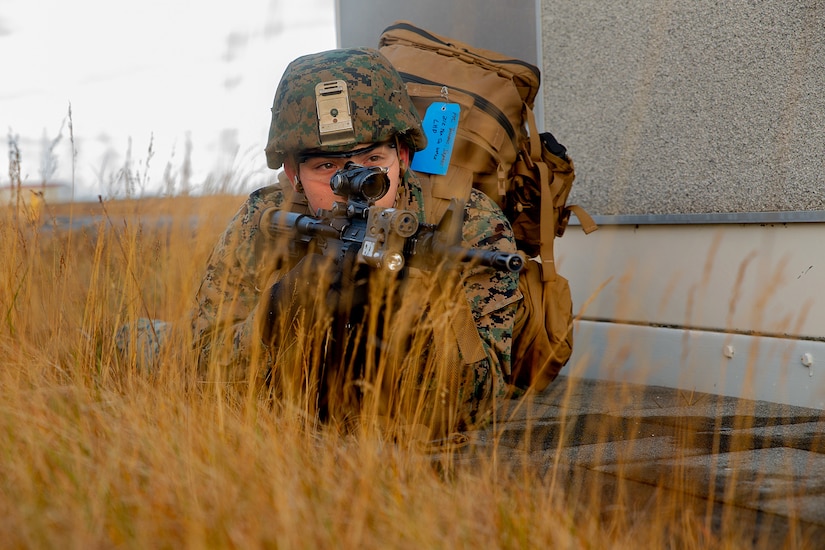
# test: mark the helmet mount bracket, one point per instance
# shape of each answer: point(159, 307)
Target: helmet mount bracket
point(334, 117)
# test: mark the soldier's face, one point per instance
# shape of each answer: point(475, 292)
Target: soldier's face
point(315, 172)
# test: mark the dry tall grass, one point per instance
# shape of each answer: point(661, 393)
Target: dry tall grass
point(97, 454)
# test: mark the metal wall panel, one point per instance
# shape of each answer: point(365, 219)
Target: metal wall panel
point(746, 278)
point(779, 370)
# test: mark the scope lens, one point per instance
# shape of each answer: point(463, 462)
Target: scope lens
point(375, 185)
point(360, 183)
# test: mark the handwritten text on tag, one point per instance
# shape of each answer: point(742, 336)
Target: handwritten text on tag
point(440, 126)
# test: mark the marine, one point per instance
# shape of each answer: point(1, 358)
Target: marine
point(323, 333)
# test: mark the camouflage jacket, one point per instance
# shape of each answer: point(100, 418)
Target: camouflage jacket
point(241, 270)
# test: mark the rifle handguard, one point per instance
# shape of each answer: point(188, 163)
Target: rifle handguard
point(392, 238)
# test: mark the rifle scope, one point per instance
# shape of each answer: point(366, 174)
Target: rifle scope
point(360, 183)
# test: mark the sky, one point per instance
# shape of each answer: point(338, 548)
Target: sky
point(96, 89)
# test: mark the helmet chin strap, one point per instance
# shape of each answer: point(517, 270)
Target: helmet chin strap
point(402, 167)
point(402, 172)
point(299, 187)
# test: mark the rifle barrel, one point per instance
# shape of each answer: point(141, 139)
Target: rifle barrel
point(502, 261)
point(280, 221)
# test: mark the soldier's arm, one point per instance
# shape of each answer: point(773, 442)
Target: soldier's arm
point(240, 268)
point(493, 295)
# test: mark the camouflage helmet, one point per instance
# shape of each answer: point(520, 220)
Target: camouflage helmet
point(333, 100)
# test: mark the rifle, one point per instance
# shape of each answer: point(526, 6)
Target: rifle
point(382, 238)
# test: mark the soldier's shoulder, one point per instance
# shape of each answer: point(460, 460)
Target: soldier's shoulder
point(270, 195)
point(479, 200)
point(485, 223)
point(250, 211)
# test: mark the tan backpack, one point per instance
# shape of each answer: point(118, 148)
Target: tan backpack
point(497, 149)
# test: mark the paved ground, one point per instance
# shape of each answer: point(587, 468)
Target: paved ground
point(752, 466)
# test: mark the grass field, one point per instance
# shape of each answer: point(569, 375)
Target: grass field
point(97, 454)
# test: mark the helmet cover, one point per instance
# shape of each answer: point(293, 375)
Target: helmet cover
point(335, 100)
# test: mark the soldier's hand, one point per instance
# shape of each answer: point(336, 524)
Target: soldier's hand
point(347, 292)
point(317, 285)
point(295, 292)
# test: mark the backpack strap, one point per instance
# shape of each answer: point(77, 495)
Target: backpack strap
point(554, 190)
point(588, 225)
point(455, 184)
point(466, 335)
point(464, 326)
point(548, 210)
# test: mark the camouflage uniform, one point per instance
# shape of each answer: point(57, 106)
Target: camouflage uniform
point(241, 269)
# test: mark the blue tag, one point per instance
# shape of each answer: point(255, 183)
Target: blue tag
point(440, 127)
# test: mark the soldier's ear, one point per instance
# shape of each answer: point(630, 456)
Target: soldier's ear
point(403, 155)
point(291, 172)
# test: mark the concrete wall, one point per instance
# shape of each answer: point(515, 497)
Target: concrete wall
point(689, 107)
point(667, 107)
